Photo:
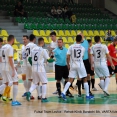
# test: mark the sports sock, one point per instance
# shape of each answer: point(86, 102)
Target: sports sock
point(25, 85)
point(44, 88)
point(82, 83)
point(33, 87)
point(6, 91)
point(107, 81)
point(89, 82)
point(58, 88)
point(79, 82)
point(66, 87)
point(102, 84)
point(39, 90)
point(0, 82)
point(86, 86)
point(93, 83)
point(2, 88)
point(67, 92)
point(29, 84)
point(62, 81)
point(15, 91)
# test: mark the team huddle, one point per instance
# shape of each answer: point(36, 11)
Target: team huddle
point(79, 61)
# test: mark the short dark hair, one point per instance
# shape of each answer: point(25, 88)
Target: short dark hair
point(61, 40)
point(40, 39)
point(1, 40)
point(10, 37)
point(89, 40)
point(115, 38)
point(97, 39)
point(32, 37)
point(78, 38)
point(26, 36)
point(53, 33)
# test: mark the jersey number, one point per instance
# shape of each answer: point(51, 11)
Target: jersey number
point(77, 53)
point(35, 56)
point(3, 54)
point(98, 52)
point(28, 51)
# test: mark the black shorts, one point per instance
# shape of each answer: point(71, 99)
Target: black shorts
point(111, 71)
point(61, 72)
point(92, 73)
point(87, 66)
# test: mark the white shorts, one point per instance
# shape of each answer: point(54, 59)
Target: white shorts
point(7, 77)
point(101, 70)
point(29, 71)
point(39, 77)
point(23, 69)
point(77, 70)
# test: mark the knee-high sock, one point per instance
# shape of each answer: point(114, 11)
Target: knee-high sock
point(29, 84)
point(67, 92)
point(39, 90)
point(62, 81)
point(102, 84)
point(26, 85)
point(82, 83)
point(93, 83)
point(66, 87)
point(44, 89)
point(107, 81)
point(58, 88)
point(86, 86)
point(79, 86)
point(33, 87)
point(8, 94)
point(6, 91)
point(15, 91)
point(2, 88)
point(89, 82)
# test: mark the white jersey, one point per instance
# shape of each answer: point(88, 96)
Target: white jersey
point(99, 51)
point(0, 62)
point(28, 49)
point(24, 55)
point(53, 44)
point(6, 52)
point(38, 55)
point(76, 52)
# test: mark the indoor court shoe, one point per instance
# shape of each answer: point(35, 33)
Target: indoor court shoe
point(63, 96)
point(44, 100)
point(4, 99)
point(90, 93)
point(94, 89)
point(9, 99)
point(106, 93)
point(32, 98)
point(79, 95)
point(28, 95)
point(89, 97)
point(15, 103)
point(56, 92)
point(39, 97)
point(70, 95)
point(24, 95)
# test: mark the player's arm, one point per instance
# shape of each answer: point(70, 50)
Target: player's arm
point(12, 65)
point(68, 61)
point(91, 59)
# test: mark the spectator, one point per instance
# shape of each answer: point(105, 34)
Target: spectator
point(19, 11)
point(109, 36)
point(59, 11)
point(53, 12)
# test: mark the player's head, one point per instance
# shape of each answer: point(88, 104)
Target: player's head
point(60, 43)
point(11, 39)
point(53, 36)
point(32, 38)
point(115, 41)
point(1, 42)
point(97, 39)
point(41, 41)
point(80, 33)
point(78, 39)
point(90, 42)
point(25, 39)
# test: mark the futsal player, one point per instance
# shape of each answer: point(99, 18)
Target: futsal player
point(9, 73)
point(113, 53)
point(75, 64)
point(98, 63)
point(38, 54)
point(92, 74)
point(61, 69)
